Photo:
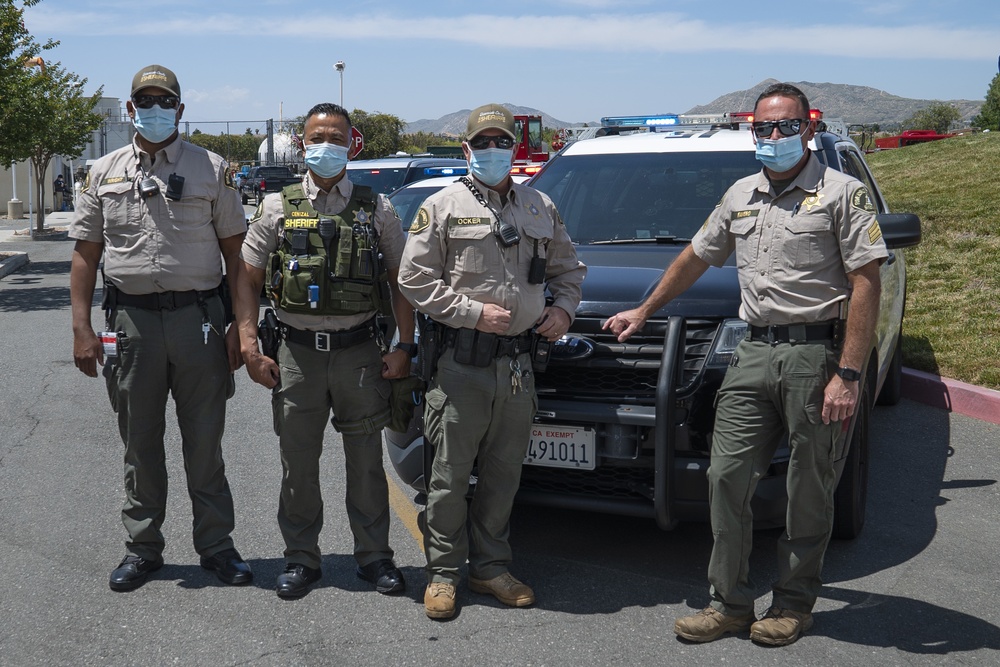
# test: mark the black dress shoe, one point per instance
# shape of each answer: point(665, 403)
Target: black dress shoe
point(132, 572)
point(296, 580)
point(386, 576)
point(229, 567)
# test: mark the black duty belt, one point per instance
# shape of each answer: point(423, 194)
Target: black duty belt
point(324, 341)
point(162, 300)
point(794, 333)
point(500, 346)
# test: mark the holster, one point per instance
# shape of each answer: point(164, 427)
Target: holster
point(269, 333)
point(430, 346)
point(407, 394)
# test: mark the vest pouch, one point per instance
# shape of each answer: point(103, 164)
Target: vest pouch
point(295, 284)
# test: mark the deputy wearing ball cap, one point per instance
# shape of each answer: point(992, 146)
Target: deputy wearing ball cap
point(477, 262)
point(160, 211)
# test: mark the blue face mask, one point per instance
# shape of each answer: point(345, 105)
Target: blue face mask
point(780, 155)
point(326, 160)
point(491, 165)
point(155, 124)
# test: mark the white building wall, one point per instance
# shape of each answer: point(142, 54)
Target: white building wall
point(116, 131)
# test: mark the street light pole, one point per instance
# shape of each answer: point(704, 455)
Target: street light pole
point(339, 66)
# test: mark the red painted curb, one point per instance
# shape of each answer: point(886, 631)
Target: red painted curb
point(952, 395)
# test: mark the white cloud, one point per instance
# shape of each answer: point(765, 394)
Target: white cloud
point(654, 33)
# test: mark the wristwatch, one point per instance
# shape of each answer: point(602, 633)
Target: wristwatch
point(849, 374)
point(409, 348)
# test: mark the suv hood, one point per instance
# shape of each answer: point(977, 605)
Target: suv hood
point(620, 277)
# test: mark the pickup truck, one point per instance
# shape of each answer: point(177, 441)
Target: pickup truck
point(263, 180)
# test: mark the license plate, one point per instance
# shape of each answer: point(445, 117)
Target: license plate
point(557, 446)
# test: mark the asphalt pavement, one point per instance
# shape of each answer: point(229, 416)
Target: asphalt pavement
point(918, 587)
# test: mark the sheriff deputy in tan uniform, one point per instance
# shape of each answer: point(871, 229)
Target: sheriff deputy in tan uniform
point(160, 210)
point(319, 245)
point(477, 260)
point(806, 240)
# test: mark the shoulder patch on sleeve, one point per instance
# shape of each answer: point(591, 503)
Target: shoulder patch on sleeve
point(874, 232)
point(862, 200)
point(422, 222)
point(258, 214)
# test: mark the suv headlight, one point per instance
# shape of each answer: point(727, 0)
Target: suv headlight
point(730, 334)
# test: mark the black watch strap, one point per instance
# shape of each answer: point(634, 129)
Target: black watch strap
point(409, 348)
point(849, 374)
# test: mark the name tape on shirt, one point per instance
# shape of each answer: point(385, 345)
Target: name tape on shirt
point(113, 179)
point(740, 215)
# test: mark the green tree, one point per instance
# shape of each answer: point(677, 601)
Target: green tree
point(19, 54)
point(383, 133)
point(938, 117)
point(988, 117)
point(63, 122)
point(236, 148)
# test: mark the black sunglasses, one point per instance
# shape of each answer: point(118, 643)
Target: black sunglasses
point(788, 127)
point(163, 101)
point(481, 142)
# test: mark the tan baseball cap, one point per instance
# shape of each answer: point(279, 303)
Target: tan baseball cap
point(490, 116)
point(156, 76)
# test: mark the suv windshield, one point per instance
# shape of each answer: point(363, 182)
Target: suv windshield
point(640, 196)
point(383, 180)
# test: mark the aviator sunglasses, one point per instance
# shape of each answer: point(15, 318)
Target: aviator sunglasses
point(787, 128)
point(481, 142)
point(163, 101)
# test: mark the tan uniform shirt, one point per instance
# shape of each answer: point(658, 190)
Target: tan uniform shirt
point(793, 250)
point(267, 227)
point(156, 244)
point(453, 263)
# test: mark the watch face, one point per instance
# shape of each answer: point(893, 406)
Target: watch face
point(849, 374)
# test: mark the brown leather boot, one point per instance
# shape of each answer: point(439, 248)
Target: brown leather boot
point(439, 600)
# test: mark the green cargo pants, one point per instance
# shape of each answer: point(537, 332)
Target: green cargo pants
point(472, 414)
point(165, 351)
point(349, 382)
point(769, 390)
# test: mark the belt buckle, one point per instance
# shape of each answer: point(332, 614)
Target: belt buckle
point(768, 336)
point(165, 301)
point(322, 341)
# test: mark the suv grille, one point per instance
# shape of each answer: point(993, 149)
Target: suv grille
point(621, 372)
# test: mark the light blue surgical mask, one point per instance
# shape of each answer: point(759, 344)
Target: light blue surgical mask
point(326, 160)
point(491, 165)
point(780, 155)
point(155, 124)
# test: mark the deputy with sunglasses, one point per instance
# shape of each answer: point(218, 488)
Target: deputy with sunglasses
point(478, 259)
point(160, 211)
point(806, 240)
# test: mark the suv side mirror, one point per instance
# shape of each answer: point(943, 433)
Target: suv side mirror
point(900, 230)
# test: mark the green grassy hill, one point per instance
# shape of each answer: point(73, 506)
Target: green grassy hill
point(952, 323)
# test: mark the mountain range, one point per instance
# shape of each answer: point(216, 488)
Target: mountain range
point(852, 104)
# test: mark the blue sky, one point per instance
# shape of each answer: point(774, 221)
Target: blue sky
point(577, 60)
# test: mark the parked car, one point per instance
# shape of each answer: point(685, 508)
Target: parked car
point(626, 428)
point(383, 175)
point(261, 181)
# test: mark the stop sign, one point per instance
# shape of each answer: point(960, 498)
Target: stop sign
point(357, 143)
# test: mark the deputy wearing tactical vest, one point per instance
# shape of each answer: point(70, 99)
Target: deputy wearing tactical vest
point(328, 252)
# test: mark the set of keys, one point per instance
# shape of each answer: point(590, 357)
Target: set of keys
point(206, 326)
point(517, 376)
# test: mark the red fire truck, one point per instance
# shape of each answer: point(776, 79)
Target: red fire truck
point(529, 153)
